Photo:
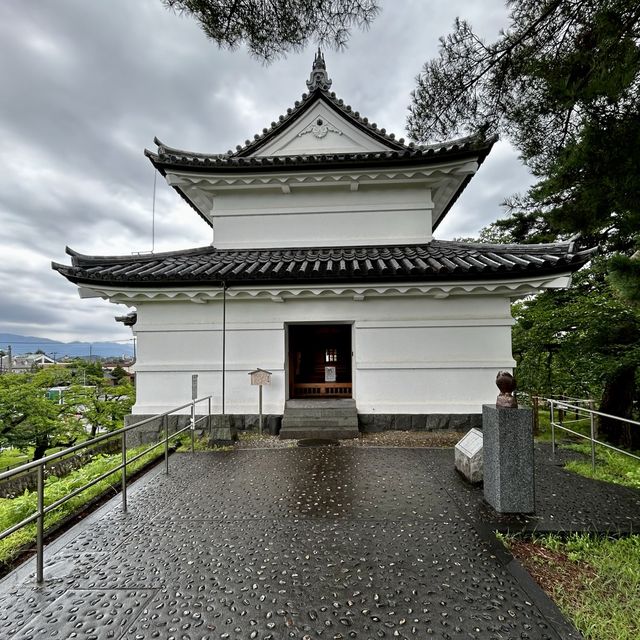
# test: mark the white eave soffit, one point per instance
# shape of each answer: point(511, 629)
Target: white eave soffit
point(432, 175)
point(358, 292)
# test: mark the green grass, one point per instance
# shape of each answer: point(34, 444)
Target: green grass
point(201, 444)
point(13, 510)
point(594, 580)
point(610, 466)
point(582, 426)
point(14, 457)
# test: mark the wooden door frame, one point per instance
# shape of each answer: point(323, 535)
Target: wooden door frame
point(287, 346)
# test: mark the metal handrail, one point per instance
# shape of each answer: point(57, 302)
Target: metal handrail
point(590, 414)
point(40, 464)
point(11, 467)
point(563, 398)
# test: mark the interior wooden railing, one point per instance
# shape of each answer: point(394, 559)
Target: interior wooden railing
point(323, 389)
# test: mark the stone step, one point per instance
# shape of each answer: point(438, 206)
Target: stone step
point(306, 418)
point(339, 413)
point(317, 431)
point(293, 433)
point(334, 419)
point(315, 403)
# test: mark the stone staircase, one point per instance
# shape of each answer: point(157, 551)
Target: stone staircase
point(324, 419)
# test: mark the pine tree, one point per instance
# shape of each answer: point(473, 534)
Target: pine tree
point(271, 29)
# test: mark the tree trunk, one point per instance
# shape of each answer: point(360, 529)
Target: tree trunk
point(617, 400)
point(41, 446)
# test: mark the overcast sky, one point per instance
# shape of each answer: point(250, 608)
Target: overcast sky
point(86, 85)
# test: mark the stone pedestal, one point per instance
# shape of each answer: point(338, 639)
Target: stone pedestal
point(508, 459)
point(468, 456)
point(221, 429)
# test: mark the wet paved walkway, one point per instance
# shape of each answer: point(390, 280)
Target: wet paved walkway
point(329, 543)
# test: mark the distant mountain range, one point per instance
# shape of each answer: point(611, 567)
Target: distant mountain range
point(54, 348)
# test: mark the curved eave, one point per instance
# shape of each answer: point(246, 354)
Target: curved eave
point(562, 267)
point(335, 161)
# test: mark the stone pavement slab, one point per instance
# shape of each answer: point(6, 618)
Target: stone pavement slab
point(310, 543)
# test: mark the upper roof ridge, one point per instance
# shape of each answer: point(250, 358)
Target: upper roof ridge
point(319, 85)
point(319, 79)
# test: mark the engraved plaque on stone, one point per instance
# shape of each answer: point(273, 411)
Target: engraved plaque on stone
point(468, 456)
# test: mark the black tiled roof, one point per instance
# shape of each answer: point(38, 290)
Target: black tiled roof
point(472, 146)
point(438, 260)
point(397, 151)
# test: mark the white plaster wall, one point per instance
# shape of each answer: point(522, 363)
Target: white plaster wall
point(322, 216)
point(411, 354)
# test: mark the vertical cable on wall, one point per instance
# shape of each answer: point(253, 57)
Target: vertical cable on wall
point(153, 213)
point(224, 338)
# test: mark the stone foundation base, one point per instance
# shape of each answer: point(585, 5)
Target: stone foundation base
point(376, 422)
point(225, 428)
point(154, 430)
point(216, 428)
point(249, 422)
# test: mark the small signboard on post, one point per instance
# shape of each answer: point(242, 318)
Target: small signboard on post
point(329, 374)
point(194, 386)
point(260, 377)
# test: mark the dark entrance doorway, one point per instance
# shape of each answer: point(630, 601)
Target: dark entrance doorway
point(320, 361)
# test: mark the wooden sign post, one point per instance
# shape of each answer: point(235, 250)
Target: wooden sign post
point(260, 377)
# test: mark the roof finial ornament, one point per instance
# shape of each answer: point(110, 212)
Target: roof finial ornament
point(319, 77)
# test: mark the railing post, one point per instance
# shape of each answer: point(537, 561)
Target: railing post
point(40, 528)
point(260, 423)
point(193, 425)
point(124, 471)
point(166, 445)
point(593, 442)
point(552, 420)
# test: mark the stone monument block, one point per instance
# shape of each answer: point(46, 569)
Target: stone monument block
point(508, 459)
point(468, 456)
point(221, 429)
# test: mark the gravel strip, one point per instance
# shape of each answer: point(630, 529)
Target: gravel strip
point(383, 439)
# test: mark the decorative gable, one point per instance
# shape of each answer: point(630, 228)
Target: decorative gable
point(320, 130)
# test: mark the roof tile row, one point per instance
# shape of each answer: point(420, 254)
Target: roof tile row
point(436, 260)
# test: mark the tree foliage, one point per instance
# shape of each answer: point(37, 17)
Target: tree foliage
point(562, 81)
point(32, 417)
point(119, 374)
point(583, 342)
point(271, 28)
point(102, 407)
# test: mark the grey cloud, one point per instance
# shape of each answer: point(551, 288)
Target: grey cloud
point(87, 85)
point(501, 175)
